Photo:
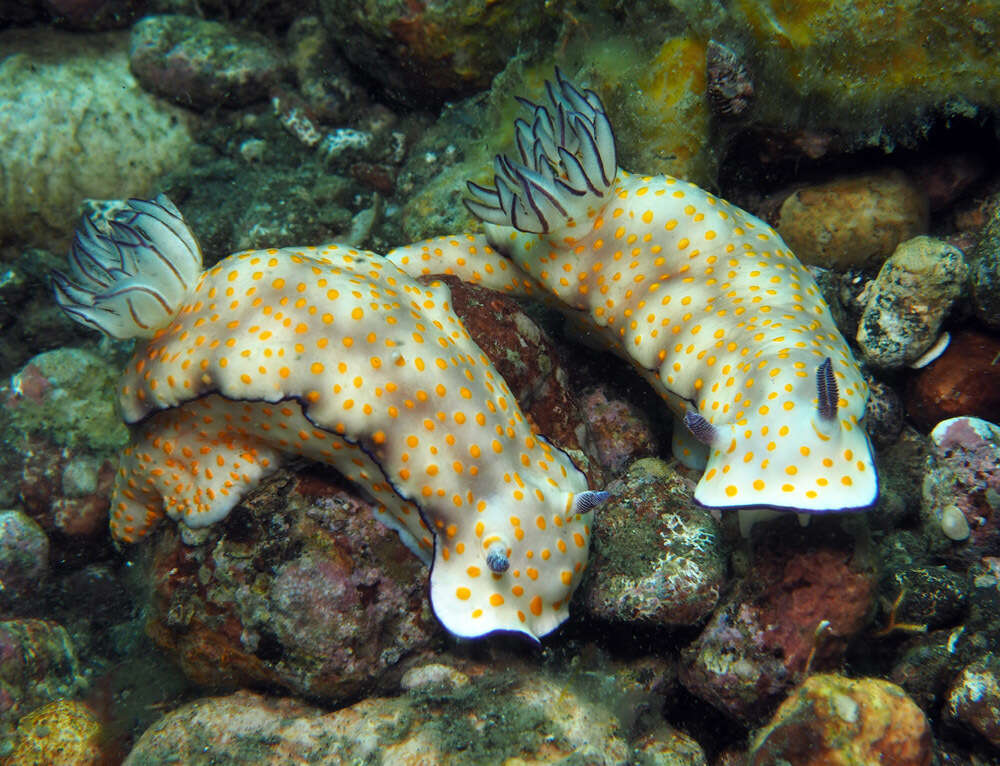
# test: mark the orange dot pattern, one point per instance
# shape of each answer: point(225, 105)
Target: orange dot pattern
point(339, 356)
point(709, 303)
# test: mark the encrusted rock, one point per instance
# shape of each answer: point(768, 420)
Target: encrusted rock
point(884, 412)
point(909, 299)
point(794, 613)
point(75, 124)
point(984, 276)
point(974, 698)
point(507, 712)
point(621, 431)
point(853, 222)
point(839, 721)
point(38, 664)
point(301, 587)
point(961, 488)
point(435, 50)
point(59, 431)
point(657, 558)
point(202, 64)
point(24, 560)
point(64, 732)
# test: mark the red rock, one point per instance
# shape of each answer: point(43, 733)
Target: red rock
point(795, 611)
point(300, 587)
point(529, 362)
point(831, 720)
point(964, 380)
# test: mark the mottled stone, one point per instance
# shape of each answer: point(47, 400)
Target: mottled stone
point(324, 78)
point(38, 664)
point(964, 380)
point(961, 488)
point(884, 415)
point(657, 558)
point(621, 431)
point(840, 721)
point(300, 588)
point(64, 732)
point(432, 50)
point(794, 612)
point(202, 64)
point(853, 222)
point(509, 712)
point(24, 560)
point(908, 301)
point(60, 432)
point(75, 124)
point(984, 276)
point(974, 698)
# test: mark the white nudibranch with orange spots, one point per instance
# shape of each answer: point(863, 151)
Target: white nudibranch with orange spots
point(705, 299)
point(337, 355)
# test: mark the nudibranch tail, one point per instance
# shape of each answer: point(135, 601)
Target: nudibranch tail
point(567, 168)
point(131, 280)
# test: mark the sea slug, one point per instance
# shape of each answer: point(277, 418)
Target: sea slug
point(704, 299)
point(338, 355)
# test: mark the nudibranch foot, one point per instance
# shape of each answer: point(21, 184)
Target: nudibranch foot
point(339, 356)
point(706, 301)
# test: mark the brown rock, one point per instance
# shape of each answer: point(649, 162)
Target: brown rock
point(853, 222)
point(964, 380)
point(529, 362)
point(838, 721)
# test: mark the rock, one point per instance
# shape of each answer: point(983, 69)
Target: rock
point(984, 274)
point(884, 416)
point(961, 488)
point(75, 125)
point(660, 111)
point(202, 64)
point(852, 222)
point(964, 380)
point(819, 63)
point(840, 721)
point(60, 433)
point(24, 561)
point(64, 732)
point(974, 698)
point(38, 664)
point(621, 431)
point(300, 588)
point(431, 51)
point(530, 363)
point(908, 301)
point(324, 78)
point(794, 612)
point(920, 597)
point(511, 712)
point(657, 559)
point(93, 15)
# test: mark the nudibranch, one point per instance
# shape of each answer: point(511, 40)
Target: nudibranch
point(337, 355)
point(704, 299)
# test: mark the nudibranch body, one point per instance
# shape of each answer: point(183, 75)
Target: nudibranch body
point(337, 355)
point(705, 299)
